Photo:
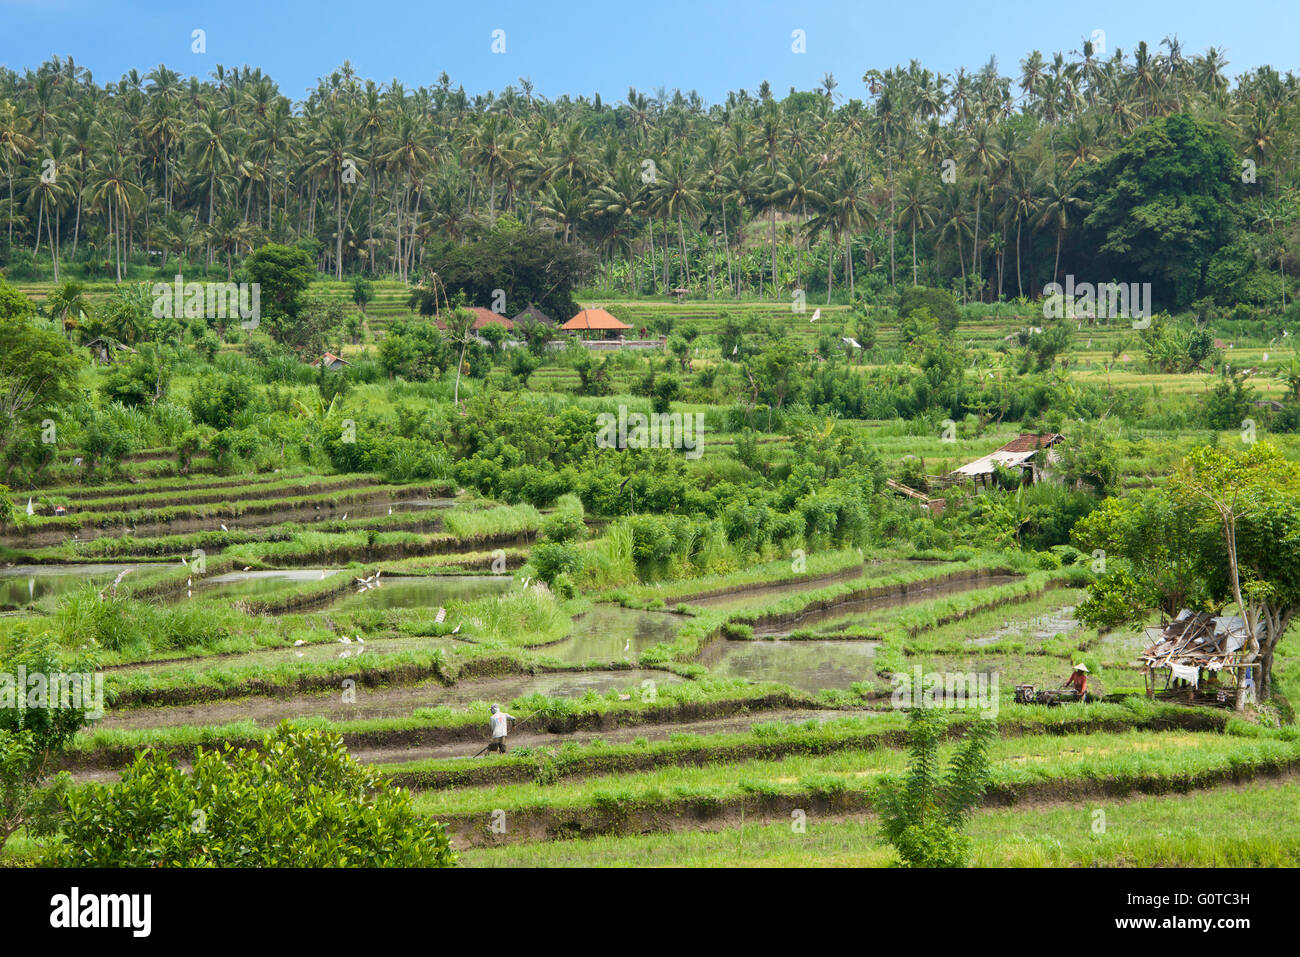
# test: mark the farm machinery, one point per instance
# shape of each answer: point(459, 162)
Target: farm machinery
point(1028, 694)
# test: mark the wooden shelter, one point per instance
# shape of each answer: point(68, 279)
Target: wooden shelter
point(934, 505)
point(1193, 654)
point(331, 361)
point(1031, 454)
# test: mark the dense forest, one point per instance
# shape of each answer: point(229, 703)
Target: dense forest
point(988, 184)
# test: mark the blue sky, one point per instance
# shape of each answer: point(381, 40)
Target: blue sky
point(582, 46)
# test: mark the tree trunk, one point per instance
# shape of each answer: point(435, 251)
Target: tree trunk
point(1020, 287)
point(830, 270)
point(773, 221)
point(338, 236)
point(914, 252)
point(726, 243)
point(681, 239)
point(654, 273)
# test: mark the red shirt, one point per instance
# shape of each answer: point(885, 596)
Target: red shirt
point(1078, 681)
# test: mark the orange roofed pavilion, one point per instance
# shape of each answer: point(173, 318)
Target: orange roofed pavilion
point(594, 320)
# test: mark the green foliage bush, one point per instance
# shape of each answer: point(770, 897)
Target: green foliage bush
point(301, 801)
point(923, 815)
point(32, 739)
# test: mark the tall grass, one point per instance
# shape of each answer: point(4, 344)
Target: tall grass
point(483, 523)
point(128, 626)
point(526, 617)
point(608, 562)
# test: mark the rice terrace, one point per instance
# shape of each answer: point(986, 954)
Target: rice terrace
point(897, 470)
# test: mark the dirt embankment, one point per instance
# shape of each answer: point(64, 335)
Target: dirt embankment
point(758, 589)
point(395, 551)
point(410, 743)
point(621, 817)
point(491, 773)
point(185, 519)
point(883, 595)
point(246, 492)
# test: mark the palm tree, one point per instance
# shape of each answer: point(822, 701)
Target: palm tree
point(802, 175)
point(954, 226)
point(210, 137)
point(48, 194)
point(114, 191)
point(331, 159)
point(489, 149)
point(69, 297)
point(982, 157)
point(1059, 205)
point(565, 203)
point(623, 198)
point(846, 208)
point(915, 208)
point(676, 193)
point(1023, 203)
point(410, 155)
point(768, 138)
point(460, 328)
point(15, 144)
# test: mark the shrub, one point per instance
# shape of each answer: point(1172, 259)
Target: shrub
point(565, 524)
point(939, 303)
point(300, 802)
point(923, 815)
point(217, 399)
point(31, 739)
point(551, 559)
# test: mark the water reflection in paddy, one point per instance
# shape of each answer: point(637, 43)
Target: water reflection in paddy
point(614, 633)
point(26, 584)
point(860, 612)
point(805, 665)
point(425, 591)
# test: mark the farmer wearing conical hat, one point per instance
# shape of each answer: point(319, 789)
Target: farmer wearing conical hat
point(1078, 680)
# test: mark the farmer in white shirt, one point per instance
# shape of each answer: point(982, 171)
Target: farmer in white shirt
point(499, 722)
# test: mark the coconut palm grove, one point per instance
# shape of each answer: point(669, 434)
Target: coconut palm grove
point(902, 471)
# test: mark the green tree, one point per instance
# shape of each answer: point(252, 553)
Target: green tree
point(1253, 499)
point(1161, 206)
point(283, 274)
point(940, 303)
point(1146, 547)
point(38, 371)
point(363, 290)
